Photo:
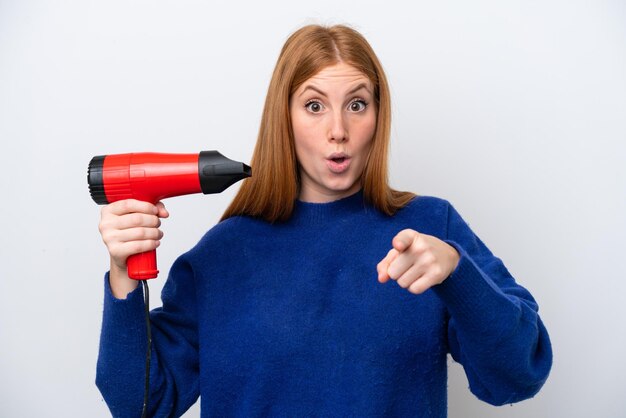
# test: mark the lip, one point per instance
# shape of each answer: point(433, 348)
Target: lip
point(338, 162)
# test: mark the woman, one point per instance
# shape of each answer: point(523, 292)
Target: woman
point(282, 308)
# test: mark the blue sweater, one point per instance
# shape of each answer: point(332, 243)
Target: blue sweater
point(289, 319)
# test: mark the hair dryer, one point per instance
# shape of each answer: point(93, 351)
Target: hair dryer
point(151, 177)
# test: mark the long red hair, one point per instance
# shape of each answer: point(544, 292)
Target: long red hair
point(271, 192)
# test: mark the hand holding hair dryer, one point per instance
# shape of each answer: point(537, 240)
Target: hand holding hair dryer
point(151, 177)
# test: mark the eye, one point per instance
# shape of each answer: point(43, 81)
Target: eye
point(357, 105)
point(314, 106)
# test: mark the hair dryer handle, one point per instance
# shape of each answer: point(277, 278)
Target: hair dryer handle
point(142, 266)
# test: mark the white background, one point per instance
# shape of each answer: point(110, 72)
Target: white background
point(513, 110)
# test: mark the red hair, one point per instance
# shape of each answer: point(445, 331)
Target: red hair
point(271, 192)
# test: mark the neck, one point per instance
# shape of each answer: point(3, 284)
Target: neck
point(311, 195)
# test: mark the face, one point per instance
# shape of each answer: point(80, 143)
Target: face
point(333, 117)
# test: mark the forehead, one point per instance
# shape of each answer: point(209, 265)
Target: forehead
point(336, 75)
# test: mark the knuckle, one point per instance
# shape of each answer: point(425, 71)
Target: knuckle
point(420, 245)
point(136, 219)
point(106, 237)
point(115, 251)
point(105, 218)
point(141, 234)
point(105, 223)
point(404, 283)
point(417, 246)
point(437, 271)
point(125, 205)
point(147, 233)
point(412, 235)
point(107, 209)
point(428, 258)
point(415, 290)
point(110, 236)
point(155, 234)
point(137, 247)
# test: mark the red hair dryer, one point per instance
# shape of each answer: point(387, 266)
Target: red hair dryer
point(151, 177)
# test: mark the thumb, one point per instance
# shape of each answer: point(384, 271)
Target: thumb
point(162, 212)
point(404, 239)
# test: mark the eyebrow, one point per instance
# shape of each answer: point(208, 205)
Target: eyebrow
point(354, 90)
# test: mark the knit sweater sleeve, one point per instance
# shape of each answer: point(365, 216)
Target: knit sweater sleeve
point(174, 372)
point(494, 329)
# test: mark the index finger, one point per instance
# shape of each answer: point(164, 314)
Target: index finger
point(383, 266)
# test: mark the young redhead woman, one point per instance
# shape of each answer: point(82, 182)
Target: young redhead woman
point(282, 309)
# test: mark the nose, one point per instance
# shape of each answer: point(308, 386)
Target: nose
point(338, 131)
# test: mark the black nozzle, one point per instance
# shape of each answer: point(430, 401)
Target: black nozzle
point(217, 172)
point(94, 178)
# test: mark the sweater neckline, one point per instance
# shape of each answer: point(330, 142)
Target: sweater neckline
point(309, 211)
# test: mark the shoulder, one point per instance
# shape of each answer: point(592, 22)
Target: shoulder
point(234, 228)
point(425, 205)
point(229, 233)
point(427, 214)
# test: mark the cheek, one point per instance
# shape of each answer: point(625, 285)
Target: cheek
point(302, 140)
point(303, 149)
point(299, 134)
point(363, 134)
point(305, 135)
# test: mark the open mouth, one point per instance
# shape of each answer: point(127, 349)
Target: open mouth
point(338, 163)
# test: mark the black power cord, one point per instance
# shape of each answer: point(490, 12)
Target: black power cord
point(146, 299)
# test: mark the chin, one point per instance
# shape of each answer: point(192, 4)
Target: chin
point(345, 189)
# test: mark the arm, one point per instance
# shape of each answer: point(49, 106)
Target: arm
point(174, 364)
point(494, 329)
point(129, 227)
